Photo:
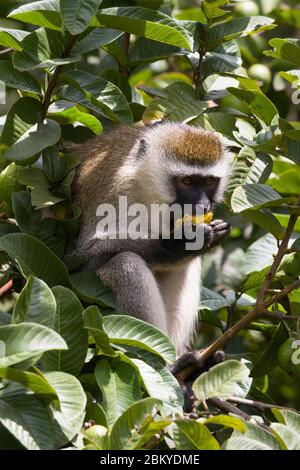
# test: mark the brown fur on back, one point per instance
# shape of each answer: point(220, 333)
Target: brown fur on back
point(96, 173)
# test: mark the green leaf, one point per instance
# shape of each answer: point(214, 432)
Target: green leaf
point(91, 290)
point(21, 117)
point(68, 419)
point(29, 219)
point(147, 23)
point(160, 384)
point(191, 435)
point(287, 182)
point(96, 38)
point(236, 28)
point(42, 13)
point(136, 426)
point(35, 304)
point(27, 340)
point(145, 51)
point(251, 196)
point(286, 49)
point(227, 421)
point(24, 416)
point(7, 227)
point(268, 360)
point(291, 145)
point(177, 104)
point(33, 141)
point(119, 387)
point(24, 135)
point(265, 219)
point(123, 329)
point(69, 324)
point(260, 253)
point(33, 257)
point(34, 381)
point(288, 429)
point(223, 380)
point(15, 79)
point(12, 38)
point(72, 115)
point(42, 48)
point(255, 438)
point(212, 9)
point(260, 105)
point(93, 322)
point(210, 300)
point(106, 97)
point(77, 14)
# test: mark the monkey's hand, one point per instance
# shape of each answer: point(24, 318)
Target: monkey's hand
point(214, 233)
point(188, 367)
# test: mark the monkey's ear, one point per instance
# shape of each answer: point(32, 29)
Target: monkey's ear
point(142, 148)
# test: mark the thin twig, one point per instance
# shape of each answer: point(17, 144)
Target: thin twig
point(54, 79)
point(6, 51)
point(258, 404)
point(229, 408)
point(4, 290)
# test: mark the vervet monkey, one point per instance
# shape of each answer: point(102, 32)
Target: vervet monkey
point(156, 280)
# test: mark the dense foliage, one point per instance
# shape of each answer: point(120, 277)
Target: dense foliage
point(73, 371)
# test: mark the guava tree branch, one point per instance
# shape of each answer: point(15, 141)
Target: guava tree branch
point(54, 78)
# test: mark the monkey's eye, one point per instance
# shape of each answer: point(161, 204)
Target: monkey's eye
point(187, 180)
point(208, 181)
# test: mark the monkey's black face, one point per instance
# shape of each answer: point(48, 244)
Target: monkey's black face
point(196, 190)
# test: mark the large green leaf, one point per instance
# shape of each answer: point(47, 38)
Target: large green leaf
point(69, 324)
point(34, 381)
point(123, 329)
point(33, 257)
point(239, 27)
point(288, 429)
point(259, 254)
point(27, 340)
point(42, 48)
point(104, 95)
point(160, 384)
point(147, 23)
point(251, 196)
point(255, 438)
point(136, 426)
point(177, 104)
point(268, 360)
point(223, 380)
point(93, 322)
point(35, 304)
point(291, 145)
point(77, 14)
point(286, 49)
point(260, 105)
point(145, 50)
point(29, 219)
point(42, 13)
point(35, 139)
point(68, 419)
point(15, 79)
point(96, 38)
point(91, 290)
point(24, 416)
point(191, 435)
point(21, 117)
point(12, 38)
point(119, 387)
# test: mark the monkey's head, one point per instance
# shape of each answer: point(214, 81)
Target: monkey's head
point(183, 164)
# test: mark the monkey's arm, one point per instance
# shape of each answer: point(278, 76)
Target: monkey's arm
point(97, 252)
